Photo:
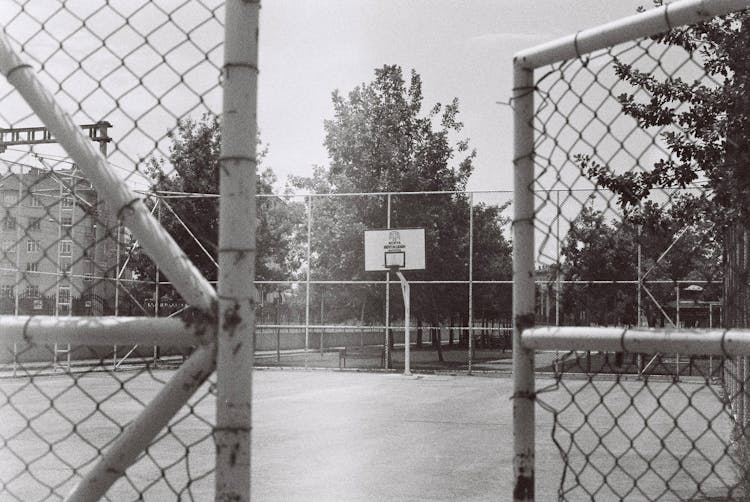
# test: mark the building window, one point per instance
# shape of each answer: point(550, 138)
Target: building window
point(35, 200)
point(7, 291)
point(9, 223)
point(88, 277)
point(10, 198)
point(67, 201)
point(35, 224)
point(66, 266)
point(31, 291)
point(32, 266)
point(66, 220)
point(66, 248)
point(32, 246)
point(63, 294)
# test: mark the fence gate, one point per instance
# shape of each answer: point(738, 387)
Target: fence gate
point(628, 140)
point(82, 430)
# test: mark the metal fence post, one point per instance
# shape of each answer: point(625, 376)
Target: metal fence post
point(307, 277)
point(387, 357)
point(237, 221)
point(523, 283)
point(471, 283)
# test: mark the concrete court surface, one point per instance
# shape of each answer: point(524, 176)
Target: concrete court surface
point(349, 436)
point(330, 436)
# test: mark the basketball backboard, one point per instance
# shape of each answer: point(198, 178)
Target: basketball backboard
point(401, 248)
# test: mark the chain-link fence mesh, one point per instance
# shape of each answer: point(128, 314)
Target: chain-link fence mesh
point(142, 79)
point(343, 311)
point(640, 223)
point(127, 72)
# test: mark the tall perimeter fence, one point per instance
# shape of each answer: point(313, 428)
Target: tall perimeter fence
point(626, 106)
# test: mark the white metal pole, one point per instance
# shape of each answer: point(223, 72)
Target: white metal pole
point(407, 313)
point(388, 294)
point(237, 222)
point(470, 354)
point(523, 283)
point(710, 326)
point(85, 330)
point(557, 257)
point(677, 316)
point(117, 270)
point(729, 342)
point(156, 286)
point(307, 276)
point(658, 20)
point(16, 303)
point(639, 310)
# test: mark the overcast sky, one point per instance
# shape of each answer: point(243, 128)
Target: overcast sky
point(462, 48)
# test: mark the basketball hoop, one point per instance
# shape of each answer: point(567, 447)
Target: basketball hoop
point(395, 260)
point(395, 250)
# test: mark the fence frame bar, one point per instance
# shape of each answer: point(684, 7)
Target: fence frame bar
point(523, 283)
point(645, 24)
point(723, 342)
point(237, 221)
point(159, 245)
point(110, 330)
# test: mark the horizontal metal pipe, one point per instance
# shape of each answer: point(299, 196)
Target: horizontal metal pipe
point(646, 24)
point(48, 330)
point(733, 342)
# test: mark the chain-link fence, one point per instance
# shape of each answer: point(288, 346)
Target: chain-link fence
point(344, 316)
point(461, 303)
point(92, 372)
point(630, 208)
point(76, 292)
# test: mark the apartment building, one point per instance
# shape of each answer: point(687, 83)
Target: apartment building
point(57, 247)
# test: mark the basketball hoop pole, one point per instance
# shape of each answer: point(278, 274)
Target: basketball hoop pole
point(407, 341)
point(388, 249)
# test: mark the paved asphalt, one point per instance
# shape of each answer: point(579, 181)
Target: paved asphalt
point(329, 436)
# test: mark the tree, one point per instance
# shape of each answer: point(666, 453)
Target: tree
point(379, 140)
point(708, 139)
point(597, 250)
point(593, 251)
point(192, 167)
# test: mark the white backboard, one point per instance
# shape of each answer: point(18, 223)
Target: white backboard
point(393, 242)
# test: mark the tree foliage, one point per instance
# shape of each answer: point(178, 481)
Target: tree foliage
point(379, 140)
point(600, 250)
point(706, 125)
point(188, 182)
